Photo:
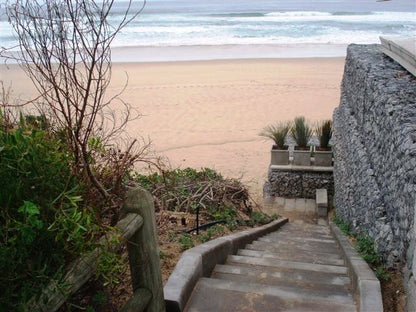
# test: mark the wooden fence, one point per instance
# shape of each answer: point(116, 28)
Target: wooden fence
point(138, 228)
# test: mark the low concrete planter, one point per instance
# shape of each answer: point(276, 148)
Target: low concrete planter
point(302, 157)
point(323, 158)
point(279, 157)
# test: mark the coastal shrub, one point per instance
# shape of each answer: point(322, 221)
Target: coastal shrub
point(44, 220)
point(365, 246)
point(33, 176)
point(259, 217)
point(186, 189)
point(186, 241)
point(343, 225)
point(217, 198)
point(61, 181)
point(77, 35)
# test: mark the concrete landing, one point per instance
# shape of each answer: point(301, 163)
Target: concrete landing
point(292, 208)
point(296, 268)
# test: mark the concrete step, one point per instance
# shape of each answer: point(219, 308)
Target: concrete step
point(287, 235)
point(273, 246)
point(221, 295)
point(272, 276)
point(302, 239)
point(299, 240)
point(234, 259)
point(322, 230)
point(294, 252)
point(293, 256)
point(305, 227)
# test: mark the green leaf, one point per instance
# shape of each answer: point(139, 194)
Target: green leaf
point(28, 234)
point(29, 208)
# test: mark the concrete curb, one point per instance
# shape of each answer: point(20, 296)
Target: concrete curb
point(199, 262)
point(365, 284)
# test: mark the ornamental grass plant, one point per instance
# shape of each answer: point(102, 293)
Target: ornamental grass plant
point(277, 133)
point(301, 132)
point(323, 131)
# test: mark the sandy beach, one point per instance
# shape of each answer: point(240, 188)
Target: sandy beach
point(209, 113)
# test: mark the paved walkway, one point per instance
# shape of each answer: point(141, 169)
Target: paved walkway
point(297, 268)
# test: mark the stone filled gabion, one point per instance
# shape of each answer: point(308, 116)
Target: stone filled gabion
point(297, 184)
point(375, 152)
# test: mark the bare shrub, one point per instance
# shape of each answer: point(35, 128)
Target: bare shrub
point(64, 47)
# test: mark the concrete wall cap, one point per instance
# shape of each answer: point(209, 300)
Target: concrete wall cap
point(365, 283)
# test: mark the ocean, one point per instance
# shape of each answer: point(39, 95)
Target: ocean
point(244, 24)
point(181, 23)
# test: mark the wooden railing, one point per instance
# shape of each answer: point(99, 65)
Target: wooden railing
point(138, 228)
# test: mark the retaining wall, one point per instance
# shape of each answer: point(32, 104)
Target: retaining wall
point(375, 155)
point(297, 183)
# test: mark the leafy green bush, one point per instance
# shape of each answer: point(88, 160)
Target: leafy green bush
point(343, 225)
point(44, 222)
point(226, 213)
point(213, 231)
point(364, 245)
point(258, 217)
point(186, 241)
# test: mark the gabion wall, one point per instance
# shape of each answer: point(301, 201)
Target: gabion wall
point(375, 153)
point(297, 184)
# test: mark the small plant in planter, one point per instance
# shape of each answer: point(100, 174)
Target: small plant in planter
point(301, 133)
point(323, 131)
point(323, 153)
point(278, 133)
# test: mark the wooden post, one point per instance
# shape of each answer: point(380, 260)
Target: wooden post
point(143, 248)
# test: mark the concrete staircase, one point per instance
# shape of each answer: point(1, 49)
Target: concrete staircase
point(297, 268)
